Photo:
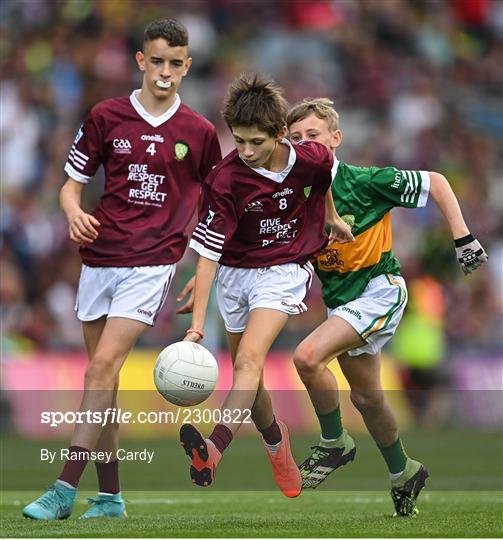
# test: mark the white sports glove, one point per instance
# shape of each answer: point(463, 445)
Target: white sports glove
point(470, 253)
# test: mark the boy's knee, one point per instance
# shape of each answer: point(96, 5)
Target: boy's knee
point(250, 364)
point(367, 401)
point(101, 373)
point(306, 361)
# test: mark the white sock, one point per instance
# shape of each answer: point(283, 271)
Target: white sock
point(273, 448)
point(395, 476)
point(65, 484)
point(328, 443)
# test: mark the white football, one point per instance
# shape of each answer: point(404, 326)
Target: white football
point(185, 373)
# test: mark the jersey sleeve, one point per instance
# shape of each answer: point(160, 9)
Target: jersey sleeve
point(86, 153)
point(326, 161)
point(212, 153)
point(323, 160)
point(217, 224)
point(405, 188)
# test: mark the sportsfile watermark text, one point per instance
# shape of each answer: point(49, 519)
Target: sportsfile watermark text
point(113, 415)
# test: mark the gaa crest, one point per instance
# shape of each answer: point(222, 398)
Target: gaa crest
point(181, 150)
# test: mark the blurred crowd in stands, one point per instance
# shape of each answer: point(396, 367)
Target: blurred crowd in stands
point(417, 84)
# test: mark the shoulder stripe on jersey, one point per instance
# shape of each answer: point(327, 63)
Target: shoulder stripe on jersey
point(216, 237)
point(208, 237)
point(72, 173)
point(76, 162)
point(206, 242)
point(204, 226)
point(76, 165)
point(80, 154)
point(210, 234)
point(410, 186)
point(208, 253)
point(76, 157)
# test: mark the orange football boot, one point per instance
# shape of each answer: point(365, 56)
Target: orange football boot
point(203, 454)
point(284, 469)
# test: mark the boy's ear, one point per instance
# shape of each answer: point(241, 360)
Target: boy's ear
point(187, 65)
point(140, 60)
point(336, 137)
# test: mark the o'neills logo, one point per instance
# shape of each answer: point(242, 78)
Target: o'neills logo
point(153, 138)
point(354, 312)
point(286, 191)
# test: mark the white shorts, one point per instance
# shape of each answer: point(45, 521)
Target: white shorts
point(136, 292)
point(282, 287)
point(375, 314)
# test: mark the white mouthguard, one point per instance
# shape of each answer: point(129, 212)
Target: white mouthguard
point(163, 84)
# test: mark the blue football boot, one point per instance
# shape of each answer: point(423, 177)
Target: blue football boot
point(55, 503)
point(106, 506)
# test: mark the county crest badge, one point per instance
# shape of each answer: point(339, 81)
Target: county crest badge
point(181, 150)
point(349, 220)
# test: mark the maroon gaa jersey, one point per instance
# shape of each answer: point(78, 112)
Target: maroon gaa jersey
point(154, 169)
point(251, 218)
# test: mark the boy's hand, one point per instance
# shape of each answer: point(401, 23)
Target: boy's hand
point(194, 335)
point(340, 232)
point(470, 253)
point(191, 336)
point(83, 228)
point(188, 289)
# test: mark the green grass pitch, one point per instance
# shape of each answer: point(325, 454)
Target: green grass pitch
point(268, 514)
point(463, 496)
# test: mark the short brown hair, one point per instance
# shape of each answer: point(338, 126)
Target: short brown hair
point(323, 108)
point(255, 101)
point(172, 31)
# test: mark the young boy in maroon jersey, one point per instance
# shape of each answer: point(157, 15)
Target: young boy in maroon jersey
point(155, 152)
point(262, 218)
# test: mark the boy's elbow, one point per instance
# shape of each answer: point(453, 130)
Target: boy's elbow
point(437, 182)
point(64, 188)
point(437, 176)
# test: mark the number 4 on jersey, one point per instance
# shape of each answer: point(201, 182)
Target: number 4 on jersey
point(151, 149)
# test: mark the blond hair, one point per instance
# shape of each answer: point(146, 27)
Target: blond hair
point(323, 108)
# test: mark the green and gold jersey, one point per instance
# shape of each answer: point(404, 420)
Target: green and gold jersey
point(364, 197)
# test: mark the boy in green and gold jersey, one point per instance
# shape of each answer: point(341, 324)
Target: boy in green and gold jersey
point(366, 296)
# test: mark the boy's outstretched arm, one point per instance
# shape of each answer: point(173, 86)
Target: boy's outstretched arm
point(469, 252)
point(205, 275)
